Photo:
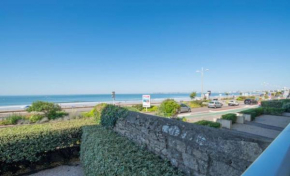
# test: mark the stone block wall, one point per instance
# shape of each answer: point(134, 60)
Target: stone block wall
point(195, 149)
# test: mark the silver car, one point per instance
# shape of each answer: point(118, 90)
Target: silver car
point(184, 108)
point(214, 104)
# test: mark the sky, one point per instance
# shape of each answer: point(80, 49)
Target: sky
point(95, 47)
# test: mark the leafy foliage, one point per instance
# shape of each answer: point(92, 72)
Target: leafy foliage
point(138, 106)
point(50, 110)
point(274, 111)
point(110, 114)
point(242, 98)
point(168, 108)
point(29, 142)
point(12, 120)
point(192, 95)
point(272, 104)
point(208, 123)
point(103, 152)
point(96, 112)
point(286, 106)
point(230, 116)
point(35, 117)
point(255, 112)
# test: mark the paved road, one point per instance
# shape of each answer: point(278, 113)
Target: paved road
point(210, 114)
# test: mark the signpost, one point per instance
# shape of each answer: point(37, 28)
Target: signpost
point(146, 101)
point(113, 96)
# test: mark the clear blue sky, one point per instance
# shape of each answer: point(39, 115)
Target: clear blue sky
point(81, 47)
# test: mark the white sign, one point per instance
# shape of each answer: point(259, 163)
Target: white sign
point(146, 101)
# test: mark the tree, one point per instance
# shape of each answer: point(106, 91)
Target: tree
point(49, 109)
point(168, 108)
point(227, 94)
point(192, 95)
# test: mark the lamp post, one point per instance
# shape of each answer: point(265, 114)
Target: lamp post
point(202, 72)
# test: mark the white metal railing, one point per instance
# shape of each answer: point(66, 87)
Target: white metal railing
point(275, 160)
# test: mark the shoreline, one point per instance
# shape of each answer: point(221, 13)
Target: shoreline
point(72, 105)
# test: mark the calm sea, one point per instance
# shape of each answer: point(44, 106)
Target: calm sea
point(27, 100)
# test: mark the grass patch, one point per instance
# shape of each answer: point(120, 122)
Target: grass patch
point(12, 120)
point(103, 152)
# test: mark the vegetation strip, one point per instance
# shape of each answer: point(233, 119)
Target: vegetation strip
point(103, 152)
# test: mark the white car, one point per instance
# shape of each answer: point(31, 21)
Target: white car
point(233, 103)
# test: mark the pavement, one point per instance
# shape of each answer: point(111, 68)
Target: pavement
point(64, 170)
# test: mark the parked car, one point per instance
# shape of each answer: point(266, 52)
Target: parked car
point(184, 108)
point(214, 104)
point(250, 101)
point(233, 103)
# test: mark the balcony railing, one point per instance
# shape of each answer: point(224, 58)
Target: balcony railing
point(275, 160)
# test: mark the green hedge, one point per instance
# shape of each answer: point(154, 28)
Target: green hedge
point(208, 123)
point(255, 112)
point(272, 104)
point(110, 114)
point(274, 111)
point(103, 152)
point(230, 116)
point(28, 142)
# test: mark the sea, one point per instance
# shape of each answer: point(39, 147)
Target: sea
point(20, 101)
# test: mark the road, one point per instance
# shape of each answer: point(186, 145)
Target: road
point(210, 114)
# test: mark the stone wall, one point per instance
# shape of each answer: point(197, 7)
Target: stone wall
point(197, 150)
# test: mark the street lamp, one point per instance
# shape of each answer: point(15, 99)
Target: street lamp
point(202, 72)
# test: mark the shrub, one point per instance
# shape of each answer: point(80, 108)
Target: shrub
point(192, 95)
point(12, 120)
point(286, 106)
point(138, 106)
point(208, 123)
point(50, 110)
point(103, 152)
point(95, 112)
point(168, 108)
point(255, 112)
point(35, 117)
point(29, 142)
point(230, 116)
point(183, 119)
point(274, 111)
point(151, 109)
point(272, 104)
point(110, 115)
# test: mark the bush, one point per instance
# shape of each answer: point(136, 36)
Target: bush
point(110, 114)
point(95, 112)
point(168, 108)
point(12, 120)
point(151, 109)
point(192, 95)
point(103, 152)
point(208, 123)
point(272, 104)
point(50, 110)
point(230, 116)
point(274, 111)
point(30, 142)
point(183, 119)
point(138, 106)
point(254, 112)
point(286, 106)
point(35, 117)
